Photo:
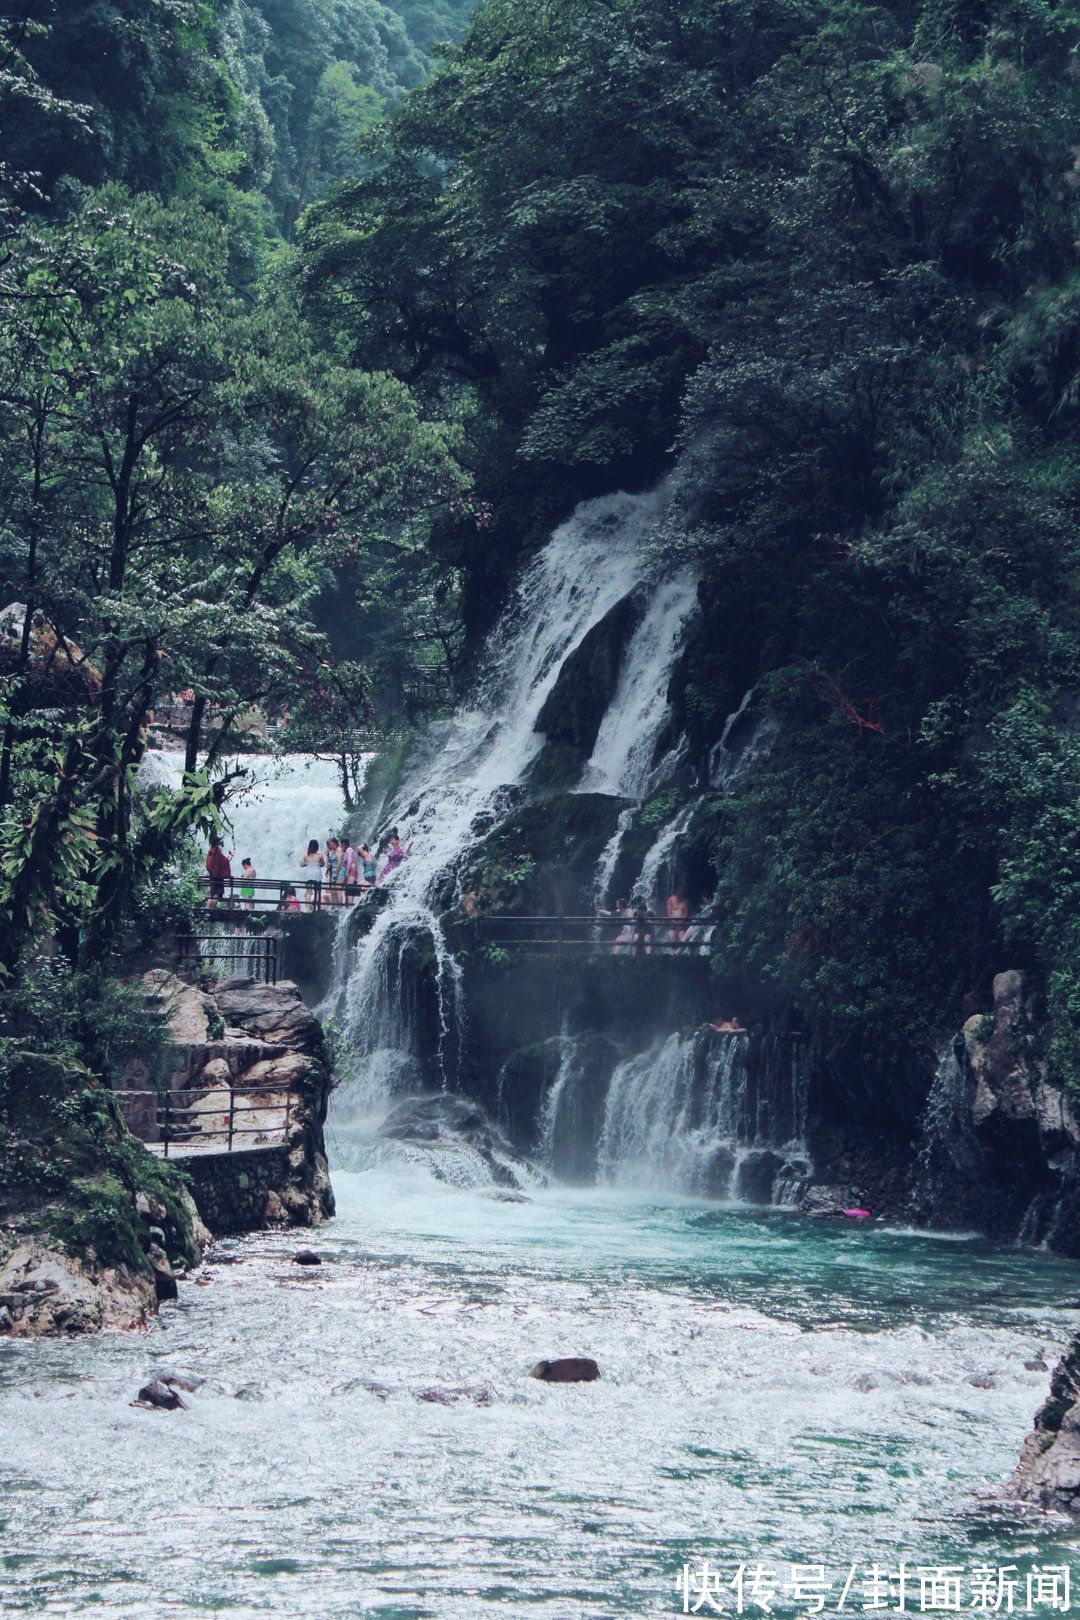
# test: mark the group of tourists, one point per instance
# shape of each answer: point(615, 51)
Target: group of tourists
point(643, 932)
point(351, 872)
point(337, 876)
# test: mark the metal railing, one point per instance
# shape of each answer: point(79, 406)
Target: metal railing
point(178, 1124)
point(639, 934)
point(247, 956)
point(286, 895)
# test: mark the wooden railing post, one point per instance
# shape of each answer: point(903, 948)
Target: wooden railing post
point(232, 1116)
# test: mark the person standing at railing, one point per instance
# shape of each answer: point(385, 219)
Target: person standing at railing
point(369, 866)
point(335, 871)
point(677, 910)
point(219, 868)
point(348, 857)
point(248, 875)
point(313, 858)
point(642, 926)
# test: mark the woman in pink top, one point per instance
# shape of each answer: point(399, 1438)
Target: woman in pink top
point(394, 857)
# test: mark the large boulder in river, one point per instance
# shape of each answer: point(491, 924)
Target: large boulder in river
point(567, 1370)
point(1049, 1469)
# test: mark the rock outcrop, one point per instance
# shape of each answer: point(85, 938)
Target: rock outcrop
point(95, 1230)
point(1048, 1473)
point(1013, 1098)
point(250, 1057)
point(45, 1291)
point(1001, 1146)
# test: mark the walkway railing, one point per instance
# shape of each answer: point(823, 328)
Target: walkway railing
point(292, 894)
point(246, 956)
point(635, 935)
point(174, 1122)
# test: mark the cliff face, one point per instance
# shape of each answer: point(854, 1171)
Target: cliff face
point(1048, 1473)
point(1001, 1145)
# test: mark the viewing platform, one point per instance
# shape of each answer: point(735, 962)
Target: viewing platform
point(638, 935)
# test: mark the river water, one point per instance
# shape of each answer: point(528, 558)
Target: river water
point(773, 1389)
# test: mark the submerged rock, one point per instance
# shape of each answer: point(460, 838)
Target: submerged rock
point(160, 1396)
point(307, 1257)
point(478, 1394)
point(567, 1370)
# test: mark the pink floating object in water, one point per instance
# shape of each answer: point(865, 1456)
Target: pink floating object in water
point(858, 1214)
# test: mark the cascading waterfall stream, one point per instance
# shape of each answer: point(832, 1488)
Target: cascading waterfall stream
point(704, 1114)
point(621, 761)
point(464, 780)
point(660, 855)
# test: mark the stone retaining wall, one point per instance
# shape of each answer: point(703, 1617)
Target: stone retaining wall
point(232, 1189)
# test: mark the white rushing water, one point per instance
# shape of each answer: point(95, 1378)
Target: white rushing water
point(365, 1439)
point(282, 802)
point(700, 1114)
point(464, 780)
point(621, 761)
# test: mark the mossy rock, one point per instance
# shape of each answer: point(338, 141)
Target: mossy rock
point(70, 1168)
point(543, 859)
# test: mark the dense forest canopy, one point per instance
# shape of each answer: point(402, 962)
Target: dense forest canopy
point(830, 249)
point(823, 252)
point(186, 465)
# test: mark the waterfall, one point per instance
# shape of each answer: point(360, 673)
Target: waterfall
point(713, 1115)
point(745, 739)
point(622, 757)
point(285, 800)
point(949, 1149)
point(464, 780)
point(609, 858)
point(554, 1126)
point(661, 853)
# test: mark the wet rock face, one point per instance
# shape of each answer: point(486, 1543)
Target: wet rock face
point(1013, 1098)
point(459, 1136)
point(1048, 1473)
point(47, 1293)
point(1001, 1144)
point(821, 1201)
point(575, 707)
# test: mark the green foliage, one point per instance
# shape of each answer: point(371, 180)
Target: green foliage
point(69, 1168)
point(829, 249)
point(86, 1016)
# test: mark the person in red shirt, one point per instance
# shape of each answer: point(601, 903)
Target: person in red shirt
point(220, 870)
